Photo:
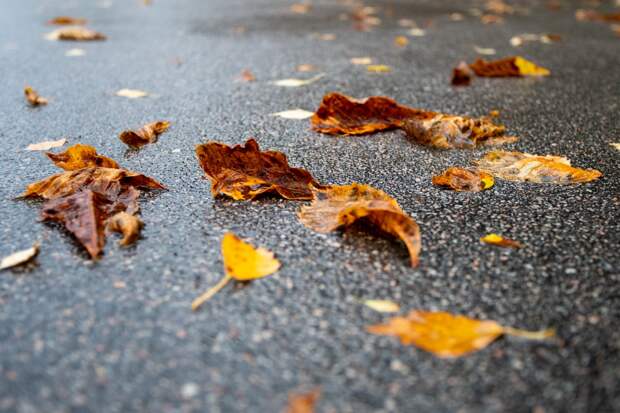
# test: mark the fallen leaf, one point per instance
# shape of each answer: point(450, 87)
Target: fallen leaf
point(361, 60)
point(495, 239)
point(328, 37)
point(510, 66)
point(297, 82)
point(593, 15)
point(302, 402)
point(126, 224)
point(67, 21)
point(463, 180)
point(417, 32)
point(244, 172)
point(247, 76)
point(446, 335)
point(491, 19)
point(494, 113)
point(242, 262)
point(461, 75)
point(46, 145)
point(615, 145)
point(306, 68)
point(81, 156)
point(484, 50)
point(498, 7)
point(378, 68)
point(145, 135)
point(456, 17)
point(293, 114)
point(519, 40)
point(75, 52)
point(300, 8)
point(340, 206)
point(131, 93)
point(382, 306)
point(33, 97)
point(406, 23)
point(76, 33)
point(518, 166)
point(19, 257)
point(401, 41)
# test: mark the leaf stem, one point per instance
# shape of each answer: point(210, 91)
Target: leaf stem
point(530, 335)
point(206, 296)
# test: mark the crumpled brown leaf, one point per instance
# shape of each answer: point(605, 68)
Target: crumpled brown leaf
point(518, 166)
point(126, 224)
point(67, 20)
point(145, 135)
point(33, 97)
point(75, 33)
point(81, 156)
point(514, 66)
point(340, 206)
point(463, 180)
point(245, 172)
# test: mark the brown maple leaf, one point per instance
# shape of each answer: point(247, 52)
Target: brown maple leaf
point(81, 156)
point(245, 172)
point(463, 180)
point(145, 135)
point(33, 97)
point(340, 206)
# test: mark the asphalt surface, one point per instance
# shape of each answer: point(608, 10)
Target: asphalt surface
point(118, 335)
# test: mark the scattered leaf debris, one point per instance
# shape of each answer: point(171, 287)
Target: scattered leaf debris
point(46, 145)
point(382, 306)
point(464, 180)
point(297, 82)
point(518, 166)
point(19, 257)
point(33, 97)
point(81, 156)
point(484, 50)
point(242, 262)
point(417, 32)
point(303, 402)
point(132, 93)
point(521, 39)
point(294, 114)
point(126, 224)
point(340, 206)
point(500, 241)
point(75, 33)
point(300, 8)
point(145, 135)
point(378, 68)
point(245, 172)
point(446, 335)
point(491, 19)
point(67, 21)
point(461, 75)
point(508, 67)
point(306, 67)
point(615, 145)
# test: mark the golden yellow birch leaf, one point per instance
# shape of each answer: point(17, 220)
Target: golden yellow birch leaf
point(496, 239)
point(242, 262)
point(447, 335)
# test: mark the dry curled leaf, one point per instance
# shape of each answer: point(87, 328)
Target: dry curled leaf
point(382, 306)
point(245, 172)
point(242, 262)
point(293, 114)
point(131, 93)
point(81, 156)
point(67, 21)
point(46, 145)
point(302, 402)
point(297, 82)
point(495, 239)
point(19, 257)
point(126, 224)
point(145, 135)
point(447, 335)
point(33, 97)
point(76, 33)
point(515, 66)
point(463, 180)
point(518, 166)
point(461, 75)
point(340, 206)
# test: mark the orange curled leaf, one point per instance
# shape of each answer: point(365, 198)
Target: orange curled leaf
point(303, 402)
point(461, 75)
point(340, 206)
point(449, 131)
point(81, 156)
point(83, 214)
point(463, 180)
point(342, 114)
point(67, 20)
point(515, 66)
point(75, 33)
point(245, 172)
point(145, 135)
point(126, 224)
point(498, 240)
point(518, 166)
point(33, 97)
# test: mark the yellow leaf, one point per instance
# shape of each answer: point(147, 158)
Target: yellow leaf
point(527, 68)
point(447, 335)
point(378, 68)
point(382, 306)
point(487, 182)
point(496, 239)
point(401, 41)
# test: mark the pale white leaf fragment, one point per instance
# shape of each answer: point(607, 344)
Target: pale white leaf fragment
point(131, 93)
point(361, 60)
point(293, 114)
point(615, 145)
point(297, 82)
point(46, 145)
point(75, 52)
point(417, 32)
point(19, 257)
point(382, 306)
point(487, 51)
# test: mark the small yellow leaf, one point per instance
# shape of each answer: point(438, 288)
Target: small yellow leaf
point(131, 93)
point(401, 41)
point(19, 257)
point(496, 239)
point(487, 181)
point(382, 306)
point(527, 68)
point(243, 262)
point(378, 68)
point(46, 145)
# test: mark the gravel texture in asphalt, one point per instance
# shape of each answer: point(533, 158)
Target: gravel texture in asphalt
point(117, 335)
